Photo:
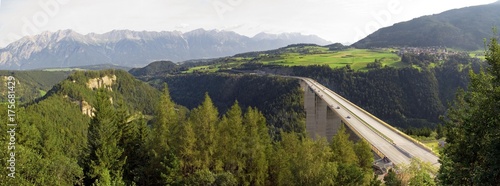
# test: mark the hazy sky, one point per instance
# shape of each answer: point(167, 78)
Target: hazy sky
point(344, 21)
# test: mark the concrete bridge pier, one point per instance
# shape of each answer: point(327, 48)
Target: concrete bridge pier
point(321, 118)
point(310, 107)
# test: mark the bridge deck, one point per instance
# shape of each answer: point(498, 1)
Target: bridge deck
point(390, 142)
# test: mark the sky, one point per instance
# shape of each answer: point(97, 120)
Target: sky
point(344, 21)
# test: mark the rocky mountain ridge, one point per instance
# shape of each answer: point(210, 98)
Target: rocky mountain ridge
point(67, 48)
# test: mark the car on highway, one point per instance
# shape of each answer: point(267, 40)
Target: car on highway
point(348, 117)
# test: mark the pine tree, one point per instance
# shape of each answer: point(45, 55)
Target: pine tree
point(105, 159)
point(134, 141)
point(472, 126)
point(163, 136)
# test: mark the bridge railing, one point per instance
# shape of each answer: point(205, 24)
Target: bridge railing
point(372, 147)
point(406, 153)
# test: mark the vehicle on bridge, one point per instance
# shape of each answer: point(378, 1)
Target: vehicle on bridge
point(348, 117)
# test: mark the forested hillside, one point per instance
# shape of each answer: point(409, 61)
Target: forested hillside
point(156, 68)
point(112, 146)
point(136, 94)
point(279, 99)
point(31, 84)
point(404, 97)
point(464, 28)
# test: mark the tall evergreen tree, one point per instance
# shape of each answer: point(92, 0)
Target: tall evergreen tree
point(187, 151)
point(281, 160)
point(135, 145)
point(204, 119)
point(163, 135)
point(105, 161)
point(257, 145)
point(470, 156)
point(230, 140)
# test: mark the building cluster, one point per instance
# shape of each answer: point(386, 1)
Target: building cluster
point(441, 53)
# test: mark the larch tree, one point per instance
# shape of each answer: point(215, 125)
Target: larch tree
point(187, 152)
point(230, 132)
point(204, 119)
point(257, 146)
point(365, 158)
point(342, 148)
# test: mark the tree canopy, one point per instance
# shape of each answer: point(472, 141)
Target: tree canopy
point(472, 127)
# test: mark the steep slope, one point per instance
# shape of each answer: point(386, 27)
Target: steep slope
point(30, 84)
point(80, 87)
point(279, 99)
point(67, 48)
point(463, 28)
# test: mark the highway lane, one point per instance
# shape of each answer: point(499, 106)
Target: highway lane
point(384, 146)
point(401, 142)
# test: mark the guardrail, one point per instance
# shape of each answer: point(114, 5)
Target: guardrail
point(416, 142)
point(372, 147)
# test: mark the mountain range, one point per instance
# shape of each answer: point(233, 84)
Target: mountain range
point(67, 48)
point(464, 28)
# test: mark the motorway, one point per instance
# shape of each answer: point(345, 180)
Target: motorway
point(389, 142)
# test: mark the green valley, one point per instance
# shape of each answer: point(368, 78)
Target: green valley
point(305, 55)
point(334, 57)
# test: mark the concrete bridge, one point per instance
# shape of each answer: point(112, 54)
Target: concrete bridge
point(326, 111)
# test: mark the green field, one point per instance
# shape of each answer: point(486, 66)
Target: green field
point(356, 58)
point(431, 142)
point(478, 53)
point(434, 145)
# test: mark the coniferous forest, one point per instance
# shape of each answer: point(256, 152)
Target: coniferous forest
point(136, 135)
